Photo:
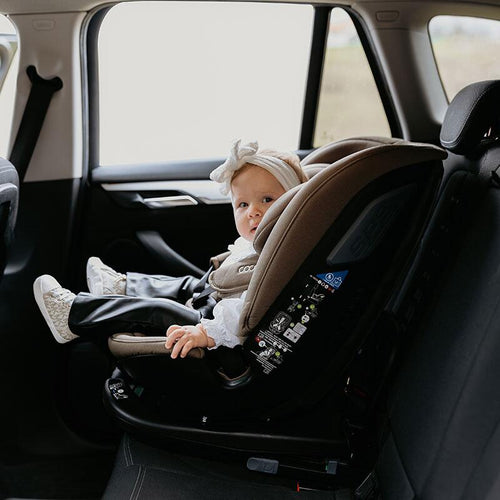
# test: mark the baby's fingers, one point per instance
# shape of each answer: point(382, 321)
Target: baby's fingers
point(187, 347)
point(178, 346)
point(172, 328)
point(174, 335)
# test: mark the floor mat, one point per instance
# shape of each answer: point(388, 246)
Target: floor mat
point(71, 477)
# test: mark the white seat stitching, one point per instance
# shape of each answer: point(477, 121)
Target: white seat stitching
point(138, 484)
point(127, 451)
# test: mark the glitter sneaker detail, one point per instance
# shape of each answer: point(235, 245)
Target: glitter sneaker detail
point(58, 304)
point(114, 287)
point(103, 280)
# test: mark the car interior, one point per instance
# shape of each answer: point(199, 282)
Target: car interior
point(371, 322)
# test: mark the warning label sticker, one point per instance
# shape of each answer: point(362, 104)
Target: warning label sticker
point(277, 339)
point(280, 322)
point(334, 279)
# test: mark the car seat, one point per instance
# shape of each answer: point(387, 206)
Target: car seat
point(331, 252)
point(125, 345)
point(9, 198)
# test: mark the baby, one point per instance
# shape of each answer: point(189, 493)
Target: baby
point(255, 180)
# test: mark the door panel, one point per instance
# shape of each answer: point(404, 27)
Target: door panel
point(161, 227)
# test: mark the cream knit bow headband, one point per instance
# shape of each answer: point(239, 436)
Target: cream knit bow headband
point(247, 153)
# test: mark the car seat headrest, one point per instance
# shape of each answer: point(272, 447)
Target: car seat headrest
point(313, 164)
point(314, 168)
point(334, 151)
point(310, 211)
point(470, 115)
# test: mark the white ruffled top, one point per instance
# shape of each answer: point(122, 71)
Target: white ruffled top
point(224, 327)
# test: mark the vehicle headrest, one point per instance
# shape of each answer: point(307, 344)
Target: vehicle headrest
point(470, 115)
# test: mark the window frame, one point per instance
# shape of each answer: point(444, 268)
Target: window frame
point(378, 74)
point(196, 169)
point(314, 81)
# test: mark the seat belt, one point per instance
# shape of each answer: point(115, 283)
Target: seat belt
point(202, 291)
point(35, 110)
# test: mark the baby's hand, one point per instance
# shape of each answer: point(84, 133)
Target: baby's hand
point(181, 339)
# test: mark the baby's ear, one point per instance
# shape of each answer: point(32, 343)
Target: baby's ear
point(270, 218)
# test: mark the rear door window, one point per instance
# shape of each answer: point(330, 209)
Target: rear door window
point(349, 101)
point(182, 80)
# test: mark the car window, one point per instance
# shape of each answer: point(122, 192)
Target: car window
point(465, 49)
point(182, 80)
point(349, 102)
point(9, 63)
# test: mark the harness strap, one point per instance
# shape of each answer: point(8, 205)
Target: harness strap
point(200, 286)
point(35, 110)
point(201, 300)
point(202, 297)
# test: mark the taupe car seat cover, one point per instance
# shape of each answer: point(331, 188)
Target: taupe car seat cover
point(312, 211)
point(124, 345)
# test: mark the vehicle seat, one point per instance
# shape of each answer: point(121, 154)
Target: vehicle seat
point(442, 437)
point(331, 252)
point(9, 198)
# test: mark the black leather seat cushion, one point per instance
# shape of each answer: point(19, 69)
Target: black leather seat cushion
point(143, 472)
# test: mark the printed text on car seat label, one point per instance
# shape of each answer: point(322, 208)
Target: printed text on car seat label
point(280, 336)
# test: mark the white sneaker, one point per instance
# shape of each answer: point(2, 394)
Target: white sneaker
point(103, 280)
point(54, 303)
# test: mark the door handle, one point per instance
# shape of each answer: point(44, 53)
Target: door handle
point(170, 201)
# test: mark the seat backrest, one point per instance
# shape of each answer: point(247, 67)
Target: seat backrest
point(9, 198)
point(443, 439)
point(331, 253)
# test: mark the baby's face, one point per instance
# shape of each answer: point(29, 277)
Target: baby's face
point(253, 190)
